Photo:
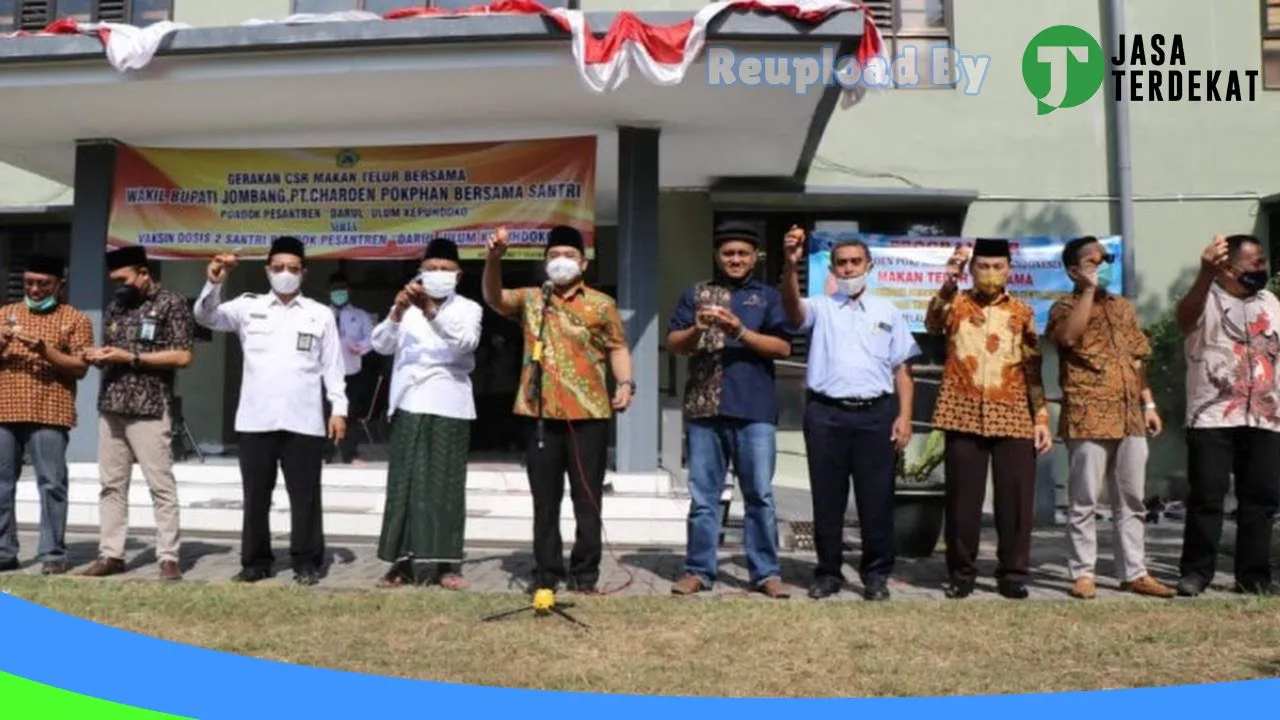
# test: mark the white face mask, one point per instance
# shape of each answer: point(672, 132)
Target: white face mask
point(439, 284)
point(851, 286)
point(285, 283)
point(562, 270)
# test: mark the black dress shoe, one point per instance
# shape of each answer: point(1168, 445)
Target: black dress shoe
point(10, 565)
point(1012, 589)
point(1264, 589)
point(252, 575)
point(958, 589)
point(876, 590)
point(582, 587)
point(306, 576)
point(1190, 586)
point(825, 586)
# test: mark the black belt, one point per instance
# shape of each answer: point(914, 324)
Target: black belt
point(848, 403)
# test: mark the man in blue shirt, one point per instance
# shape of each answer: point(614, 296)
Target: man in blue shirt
point(733, 329)
point(858, 356)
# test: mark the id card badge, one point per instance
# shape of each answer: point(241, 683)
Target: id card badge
point(305, 342)
point(147, 331)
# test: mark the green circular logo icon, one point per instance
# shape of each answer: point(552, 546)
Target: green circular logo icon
point(1063, 66)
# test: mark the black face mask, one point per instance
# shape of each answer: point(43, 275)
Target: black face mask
point(1254, 281)
point(128, 295)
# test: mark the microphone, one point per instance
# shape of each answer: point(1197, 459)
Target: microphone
point(547, 288)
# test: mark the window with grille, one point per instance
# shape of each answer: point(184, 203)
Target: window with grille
point(916, 31)
point(1271, 44)
point(35, 15)
point(382, 7)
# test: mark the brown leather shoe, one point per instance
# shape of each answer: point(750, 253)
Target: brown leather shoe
point(774, 588)
point(688, 585)
point(1084, 588)
point(169, 570)
point(1150, 587)
point(102, 567)
point(55, 567)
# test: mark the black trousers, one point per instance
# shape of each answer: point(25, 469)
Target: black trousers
point(1013, 470)
point(299, 457)
point(843, 444)
point(580, 451)
point(359, 389)
point(1214, 456)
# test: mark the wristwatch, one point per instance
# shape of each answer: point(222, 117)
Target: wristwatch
point(629, 383)
point(133, 362)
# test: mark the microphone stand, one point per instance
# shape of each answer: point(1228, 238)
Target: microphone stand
point(536, 357)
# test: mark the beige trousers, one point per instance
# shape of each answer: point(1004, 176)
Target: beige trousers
point(1122, 466)
point(147, 441)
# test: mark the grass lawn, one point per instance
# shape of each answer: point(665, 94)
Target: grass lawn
point(724, 647)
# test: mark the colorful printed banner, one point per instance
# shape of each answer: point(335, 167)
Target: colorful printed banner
point(909, 270)
point(382, 203)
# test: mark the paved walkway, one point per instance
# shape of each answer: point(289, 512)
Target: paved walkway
point(355, 565)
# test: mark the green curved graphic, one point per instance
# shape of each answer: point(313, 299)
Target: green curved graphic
point(22, 699)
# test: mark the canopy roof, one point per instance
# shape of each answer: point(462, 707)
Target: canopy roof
point(422, 81)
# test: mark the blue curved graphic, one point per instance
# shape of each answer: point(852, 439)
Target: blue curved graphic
point(94, 660)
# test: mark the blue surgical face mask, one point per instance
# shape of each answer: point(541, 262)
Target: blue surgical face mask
point(339, 297)
point(41, 306)
point(1104, 275)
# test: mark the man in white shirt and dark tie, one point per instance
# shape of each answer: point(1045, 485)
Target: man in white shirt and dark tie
point(355, 327)
point(291, 349)
point(433, 333)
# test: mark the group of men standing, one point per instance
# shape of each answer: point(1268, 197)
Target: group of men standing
point(991, 406)
point(300, 356)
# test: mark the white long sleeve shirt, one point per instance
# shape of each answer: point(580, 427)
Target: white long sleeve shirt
point(290, 350)
point(354, 328)
point(431, 373)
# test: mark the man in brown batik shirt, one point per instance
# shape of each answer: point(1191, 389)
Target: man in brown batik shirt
point(1107, 412)
point(992, 407)
point(147, 337)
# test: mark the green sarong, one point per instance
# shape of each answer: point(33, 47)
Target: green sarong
point(426, 509)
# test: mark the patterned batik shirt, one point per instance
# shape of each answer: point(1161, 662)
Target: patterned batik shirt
point(582, 328)
point(1233, 361)
point(727, 379)
point(32, 390)
point(163, 321)
point(991, 382)
point(1101, 384)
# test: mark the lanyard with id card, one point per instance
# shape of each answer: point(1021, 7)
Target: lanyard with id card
point(147, 330)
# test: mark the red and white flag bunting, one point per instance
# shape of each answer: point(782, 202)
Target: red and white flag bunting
point(663, 53)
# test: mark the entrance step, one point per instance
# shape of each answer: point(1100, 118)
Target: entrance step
point(499, 506)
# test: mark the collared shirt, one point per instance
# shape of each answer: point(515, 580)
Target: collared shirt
point(726, 378)
point(289, 351)
point(161, 322)
point(355, 327)
point(434, 358)
point(1233, 363)
point(991, 383)
point(32, 390)
point(582, 328)
point(1101, 388)
point(855, 345)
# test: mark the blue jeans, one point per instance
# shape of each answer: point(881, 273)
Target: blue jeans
point(751, 447)
point(48, 448)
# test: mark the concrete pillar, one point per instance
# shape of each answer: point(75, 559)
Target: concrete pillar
point(87, 273)
point(637, 428)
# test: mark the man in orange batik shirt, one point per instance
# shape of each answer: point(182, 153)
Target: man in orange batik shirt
point(992, 407)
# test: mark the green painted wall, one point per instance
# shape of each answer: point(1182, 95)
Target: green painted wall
point(213, 13)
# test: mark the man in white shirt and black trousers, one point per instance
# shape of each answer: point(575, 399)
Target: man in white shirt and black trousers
point(355, 330)
point(291, 348)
